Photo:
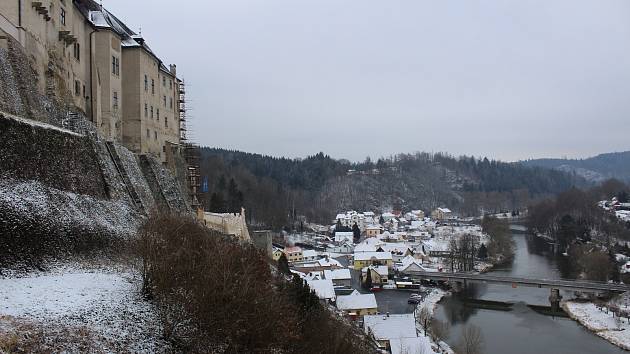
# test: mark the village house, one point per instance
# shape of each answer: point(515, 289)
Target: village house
point(396, 333)
point(397, 250)
point(294, 254)
point(323, 288)
point(365, 259)
point(277, 253)
point(387, 216)
point(373, 230)
point(442, 214)
point(89, 58)
point(378, 274)
point(343, 236)
point(410, 264)
point(357, 304)
point(309, 255)
point(339, 277)
point(344, 247)
point(318, 265)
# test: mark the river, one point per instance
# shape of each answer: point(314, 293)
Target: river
point(521, 330)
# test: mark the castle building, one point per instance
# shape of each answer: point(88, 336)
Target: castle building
point(87, 57)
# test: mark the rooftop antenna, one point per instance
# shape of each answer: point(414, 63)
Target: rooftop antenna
point(139, 29)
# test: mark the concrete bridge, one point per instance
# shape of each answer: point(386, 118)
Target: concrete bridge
point(553, 284)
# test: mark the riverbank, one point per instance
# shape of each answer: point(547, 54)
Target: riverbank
point(613, 329)
point(430, 303)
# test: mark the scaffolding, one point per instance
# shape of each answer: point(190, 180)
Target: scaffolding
point(192, 153)
point(182, 111)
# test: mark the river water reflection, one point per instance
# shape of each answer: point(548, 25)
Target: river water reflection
point(522, 330)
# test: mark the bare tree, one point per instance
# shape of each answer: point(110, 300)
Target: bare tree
point(439, 330)
point(472, 340)
point(424, 318)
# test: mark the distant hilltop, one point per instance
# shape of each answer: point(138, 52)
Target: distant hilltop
point(594, 169)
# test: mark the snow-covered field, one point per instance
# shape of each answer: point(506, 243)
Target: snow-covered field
point(75, 310)
point(613, 329)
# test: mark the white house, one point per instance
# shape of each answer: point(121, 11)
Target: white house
point(357, 304)
point(387, 216)
point(309, 255)
point(342, 236)
point(344, 247)
point(411, 264)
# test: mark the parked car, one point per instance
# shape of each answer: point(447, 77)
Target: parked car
point(414, 300)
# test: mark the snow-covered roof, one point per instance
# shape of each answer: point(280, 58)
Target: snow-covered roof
point(417, 345)
point(364, 247)
point(293, 249)
point(309, 253)
point(338, 274)
point(366, 256)
point(329, 262)
point(344, 233)
point(445, 210)
point(395, 247)
point(324, 288)
point(390, 327)
point(356, 301)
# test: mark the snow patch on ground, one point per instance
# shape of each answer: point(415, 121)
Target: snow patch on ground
point(613, 329)
point(105, 304)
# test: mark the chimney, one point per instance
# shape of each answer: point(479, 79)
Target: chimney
point(173, 69)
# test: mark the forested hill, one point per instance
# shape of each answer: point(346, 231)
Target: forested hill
point(275, 191)
point(595, 169)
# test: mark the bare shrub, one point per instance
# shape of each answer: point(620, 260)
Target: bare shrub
point(472, 341)
point(216, 295)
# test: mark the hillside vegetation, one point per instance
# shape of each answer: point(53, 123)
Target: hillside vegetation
point(277, 190)
point(217, 296)
point(596, 169)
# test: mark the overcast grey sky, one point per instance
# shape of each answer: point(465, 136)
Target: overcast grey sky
point(352, 78)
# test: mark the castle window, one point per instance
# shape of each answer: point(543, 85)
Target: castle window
point(170, 103)
point(158, 114)
point(146, 110)
point(115, 100)
point(166, 122)
point(164, 81)
point(115, 66)
point(148, 134)
point(146, 83)
point(77, 51)
point(164, 101)
point(170, 84)
point(77, 87)
point(155, 135)
point(151, 112)
point(152, 87)
point(62, 16)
